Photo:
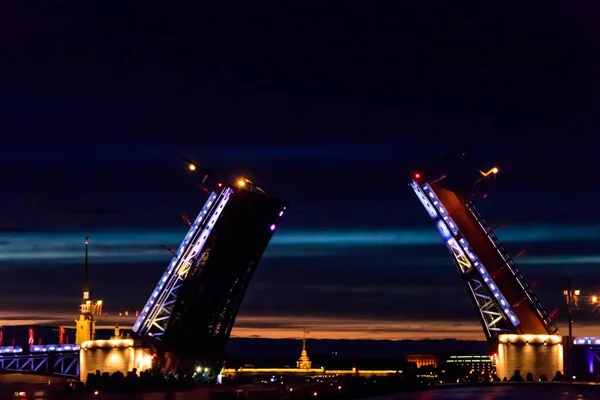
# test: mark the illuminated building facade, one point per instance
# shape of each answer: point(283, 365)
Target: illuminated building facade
point(303, 368)
point(422, 360)
point(478, 364)
point(190, 313)
point(504, 301)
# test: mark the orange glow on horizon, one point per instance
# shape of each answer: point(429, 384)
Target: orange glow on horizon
point(321, 327)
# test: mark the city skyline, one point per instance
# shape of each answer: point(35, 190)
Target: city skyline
point(336, 121)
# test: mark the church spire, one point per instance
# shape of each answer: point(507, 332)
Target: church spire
point(86, 277)
point(89, 309)
point(304, 361)
point(304, 333)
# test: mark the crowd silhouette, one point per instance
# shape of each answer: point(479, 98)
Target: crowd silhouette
point(516, 377)
point(132, 382)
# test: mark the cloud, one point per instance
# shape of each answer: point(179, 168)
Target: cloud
point(145, 246)
point(57, 317)
point(590, 259)
point(354, 328)
point(284, 327)
point(366, 284)
point(549, 262)
point(351, 328)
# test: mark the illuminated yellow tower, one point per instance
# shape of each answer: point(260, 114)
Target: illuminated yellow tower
point(86, 324)
point(304, 362)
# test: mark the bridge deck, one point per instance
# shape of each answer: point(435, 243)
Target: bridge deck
point(61, 363)
point(504, 391)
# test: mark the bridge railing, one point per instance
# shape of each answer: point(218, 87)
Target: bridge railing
point(512, 267)
point(62, 363)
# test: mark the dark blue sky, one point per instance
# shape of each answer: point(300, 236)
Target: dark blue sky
point(331, 108)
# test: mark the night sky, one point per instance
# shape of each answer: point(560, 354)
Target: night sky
point(330, 107)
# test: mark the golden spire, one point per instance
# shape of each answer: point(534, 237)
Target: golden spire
point(304, 333)
point(304, 361)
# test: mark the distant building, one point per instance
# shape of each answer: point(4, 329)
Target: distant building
point(303, 368)
point(422, 360)
point(480, 365)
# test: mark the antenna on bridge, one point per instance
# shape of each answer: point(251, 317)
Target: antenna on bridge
point(186, 219)
point(448, 158)
point(481, 177)
point(208, 175)
point(169, 250)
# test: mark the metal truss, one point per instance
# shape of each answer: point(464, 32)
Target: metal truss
point(491, 314)
point(462, 262)
point(208, 302)
point(495, 313)
point(213, 314)
point(225, 317)
point(62, 364)
point(508, 263)
point(154, 318)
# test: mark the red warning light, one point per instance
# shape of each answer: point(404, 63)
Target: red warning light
point(219, 184)
point(417, 175)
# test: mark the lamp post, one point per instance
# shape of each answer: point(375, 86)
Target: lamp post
point(572, 296)
point(210, 179)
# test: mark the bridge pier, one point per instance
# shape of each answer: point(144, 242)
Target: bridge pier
point(535, 354)
point(113, 355)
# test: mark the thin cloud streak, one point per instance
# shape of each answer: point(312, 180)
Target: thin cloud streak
point(546, 261)
point(593, 259)
point(286, 327)
point(132, 247)
point(333, 328)
point(57, 317)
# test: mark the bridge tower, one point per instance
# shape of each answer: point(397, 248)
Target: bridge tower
point(89, 309)
point(190, 313)
point(504, 301)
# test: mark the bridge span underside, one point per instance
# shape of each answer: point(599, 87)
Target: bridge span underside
point(190, 314)
point(532, 316)
point(211, 297)
point(505, 302)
